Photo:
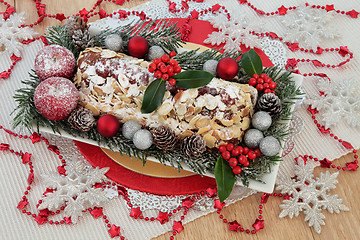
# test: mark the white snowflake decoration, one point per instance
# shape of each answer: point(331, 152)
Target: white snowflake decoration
point(339, 101)
point(76, 189)
point(233, 32)
point(12, 35)
point(308, 26)
point(312, 193)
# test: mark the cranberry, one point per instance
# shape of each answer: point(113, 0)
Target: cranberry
point(235, 152)
point(251, 155)
point(259, 87)
point(173, 62)
point(242, 159)
point(252, 82)
point(237, 170)
point(229, 146)
point(266, 85)
point(157, 61)
point(170, 69)
point(226, 155)
point(166, 77)
point(233, 162)
point(177, 69)
point(255, 76)
point(246, 150)
point(152, 67)
point(163, 68)
point(260, 81)
point(172, 54)
point(157, 74)
point(165, 58)
point(172, 81)
point(272, 85)
point(246, 163)
point(257, 152)
point(239, 149)
point(222, 148)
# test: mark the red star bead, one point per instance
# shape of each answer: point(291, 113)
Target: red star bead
point(4, 147)
point(343, 51)
point(22, 204)
point(10, 10)
point(273, 35)
point(135, 212)
point(258, 224)
point(211, 192)
point(48, 190)
point(26, 158)
point(53, 148)
point(102, 13)
point(114, 231)
point(294, 46)
point(41, 9)
point(216, 7)
point(291, 62)
point(243, 1)
point(234, 226)
point(121, 191)
point(172, 6)
point(97, 212)
point(325, 163)
point(194, 14)
point(4, 74)
point(120, 2)
point(41, 220)
point(312, 110)
point(83, 12)
point(142, 15)
point(67, 220)
point(187, 202)
point(264, 198)
point(329, 7)
point(61, 170)
point(60, 17)
point(317, 63)
point(31, 178)
point(347, 145)
point(323, 130)
point(44, 212)
point(162, 217)
point(35, 137)
point(282, 10)
point(218, 205)
point(352, 166)
point(177, 226)
point(319, 50)
point(15, 58)
point(353, 13)
point(185, 5)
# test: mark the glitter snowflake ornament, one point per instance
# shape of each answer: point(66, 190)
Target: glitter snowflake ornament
point(12, 34)
point(310, 195)
point(234, 32)
point(308, 26)
point(338, 101)
point(75, 189)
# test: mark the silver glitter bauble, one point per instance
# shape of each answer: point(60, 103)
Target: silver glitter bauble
point(143, 139)
point(261, 120)
point(114, 42)
point(155, 52)
point(269, 146)
point(253, 137)
point(210, 66)
point(130, 128)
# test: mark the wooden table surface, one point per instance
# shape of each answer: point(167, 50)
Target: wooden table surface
point(338, 226)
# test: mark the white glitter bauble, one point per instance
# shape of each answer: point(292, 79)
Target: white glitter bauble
point(143, 139)
point(210, 66)
point(261, 120)
point(130, 128)
point(155, 52)
point(253, 137)
point(114, 42)
point(269, 146)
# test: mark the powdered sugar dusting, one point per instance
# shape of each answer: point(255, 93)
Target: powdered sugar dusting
point(54, 61)
point(55, 98)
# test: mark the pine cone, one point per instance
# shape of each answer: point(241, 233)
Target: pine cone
point(81, 119)
point(270, 103)
point(74, 23)
point(164, 138)
point(193, 146)
point(82, 39)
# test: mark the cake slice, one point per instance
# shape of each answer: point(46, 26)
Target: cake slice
point(114, 83)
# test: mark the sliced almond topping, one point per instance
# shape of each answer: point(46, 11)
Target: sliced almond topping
point(93, 109)
point(202, 122)
point(203, 130)
point(245, 124)
point(165, 108)
point(209, 140)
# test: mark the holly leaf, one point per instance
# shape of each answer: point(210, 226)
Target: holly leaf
point(251, 62)
point(193, 78)
point(224, 177)
point(153, 96)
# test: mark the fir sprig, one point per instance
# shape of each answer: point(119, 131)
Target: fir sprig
point(59, 35)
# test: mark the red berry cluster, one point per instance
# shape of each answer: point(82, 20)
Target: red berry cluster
point(263, 82)
point(165, 67)
point(238, 156)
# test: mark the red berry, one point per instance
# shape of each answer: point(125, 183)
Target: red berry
point(273, 91)
point(233, 162)
point(272, 85)
point(173, 62)
point(172, 54)
point(152, 67)
point(246, 164)
point(242, 159)
point(172, 82)
point(268, 80)
point(257, 152)
point(165, 76)
point(229, 146)
point(267, 90)
point(260, 81)
point(160, 64)
point(251, 155)
point(239, 149)
point(177, 69)
point(235, 152)
point(255, 76)
point(259, 87)
point(163, 68)
point(170, 69)
point(222, 148)
point(237, 170)
point(263, 76)
point(252, 82)
point(246, 150)
point(165, 58)
point(157, 61)
point(266, 85)
point(157, 74)
point(226, 155)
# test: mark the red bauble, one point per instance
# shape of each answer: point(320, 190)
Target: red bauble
point(54, 61)
point(55, 98)
point(227, 68)
point(108, 125)
point(138, 47)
